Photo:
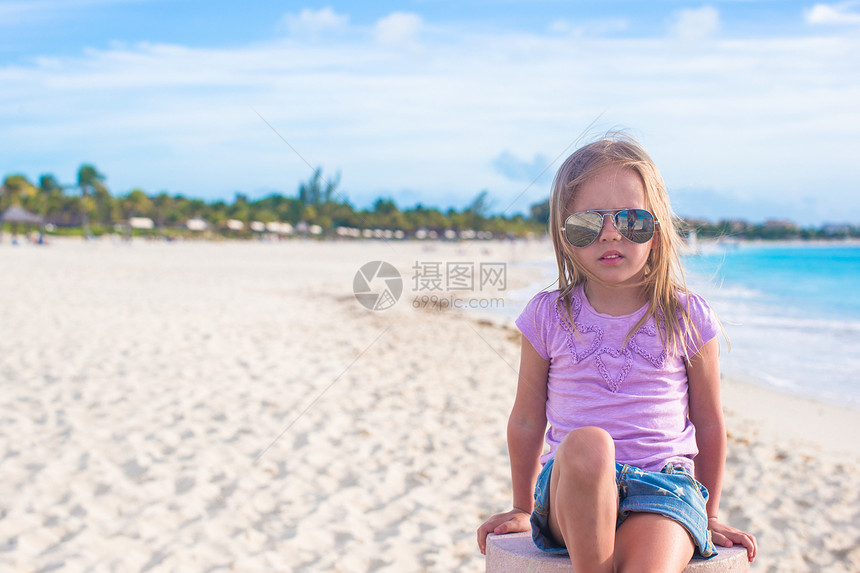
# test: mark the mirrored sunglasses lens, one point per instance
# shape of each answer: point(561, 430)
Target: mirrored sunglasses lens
point(637, 225)
point(582, 228)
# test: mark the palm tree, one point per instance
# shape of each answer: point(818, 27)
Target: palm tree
point(89, 179)
point(18, 191)
point(161, 204)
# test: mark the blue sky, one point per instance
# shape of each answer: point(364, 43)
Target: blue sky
point(751, 109)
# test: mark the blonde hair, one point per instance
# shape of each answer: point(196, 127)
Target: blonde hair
point(664, 278)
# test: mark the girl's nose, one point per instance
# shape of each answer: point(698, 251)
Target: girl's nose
point(608, 231)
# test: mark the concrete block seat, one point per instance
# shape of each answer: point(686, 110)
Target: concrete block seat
point(516, 553)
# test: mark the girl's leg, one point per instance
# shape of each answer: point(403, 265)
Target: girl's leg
point(652, 542)
point(583, 498)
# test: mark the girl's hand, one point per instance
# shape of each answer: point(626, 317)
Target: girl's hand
point(509, 522)
point(727, 536)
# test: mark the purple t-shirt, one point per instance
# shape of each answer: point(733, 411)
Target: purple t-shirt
point(638, 394)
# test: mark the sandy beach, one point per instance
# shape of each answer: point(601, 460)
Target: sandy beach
point(232, 407)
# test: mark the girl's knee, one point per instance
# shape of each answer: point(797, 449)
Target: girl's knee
point(586, 450)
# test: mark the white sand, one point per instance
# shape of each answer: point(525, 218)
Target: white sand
point(231, 406)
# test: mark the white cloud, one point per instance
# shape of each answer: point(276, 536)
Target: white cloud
point(588, 28)
point(312, 22)
point(398, 28)
point(696, 24)
point(833, 14)
point(517, 169)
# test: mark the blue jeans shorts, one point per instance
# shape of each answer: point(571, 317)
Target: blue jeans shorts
point(672, 492)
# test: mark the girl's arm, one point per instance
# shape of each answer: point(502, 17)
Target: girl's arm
point(706, 414)
point(526, 427)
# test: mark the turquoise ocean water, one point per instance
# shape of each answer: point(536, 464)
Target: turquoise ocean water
point(791, 311)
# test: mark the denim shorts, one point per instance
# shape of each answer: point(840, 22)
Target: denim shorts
point(672, 492)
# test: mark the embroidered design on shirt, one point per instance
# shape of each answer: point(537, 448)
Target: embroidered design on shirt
point(580, 334)
point(649, 330)
point(614, 382)
point(585, 340)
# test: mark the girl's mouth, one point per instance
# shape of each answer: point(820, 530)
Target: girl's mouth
point(611, 257)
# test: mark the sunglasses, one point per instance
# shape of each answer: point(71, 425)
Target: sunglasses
point(635, 225)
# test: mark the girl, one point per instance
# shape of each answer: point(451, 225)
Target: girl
point(622, 361)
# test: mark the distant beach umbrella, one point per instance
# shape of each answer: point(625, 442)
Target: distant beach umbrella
point(16, 214)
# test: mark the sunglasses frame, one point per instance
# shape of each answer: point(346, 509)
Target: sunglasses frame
point(603, 214)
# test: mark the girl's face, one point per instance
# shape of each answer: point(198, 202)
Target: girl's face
point(611, 257)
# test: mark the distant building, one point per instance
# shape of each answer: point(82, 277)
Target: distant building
point(735, 225)
point(837, 228)
point(141, 223)
point(280, 228)
point(196, 224)
point(781, 224)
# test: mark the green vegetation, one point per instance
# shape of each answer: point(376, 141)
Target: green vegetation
point(88, 208)
point(773, 230)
